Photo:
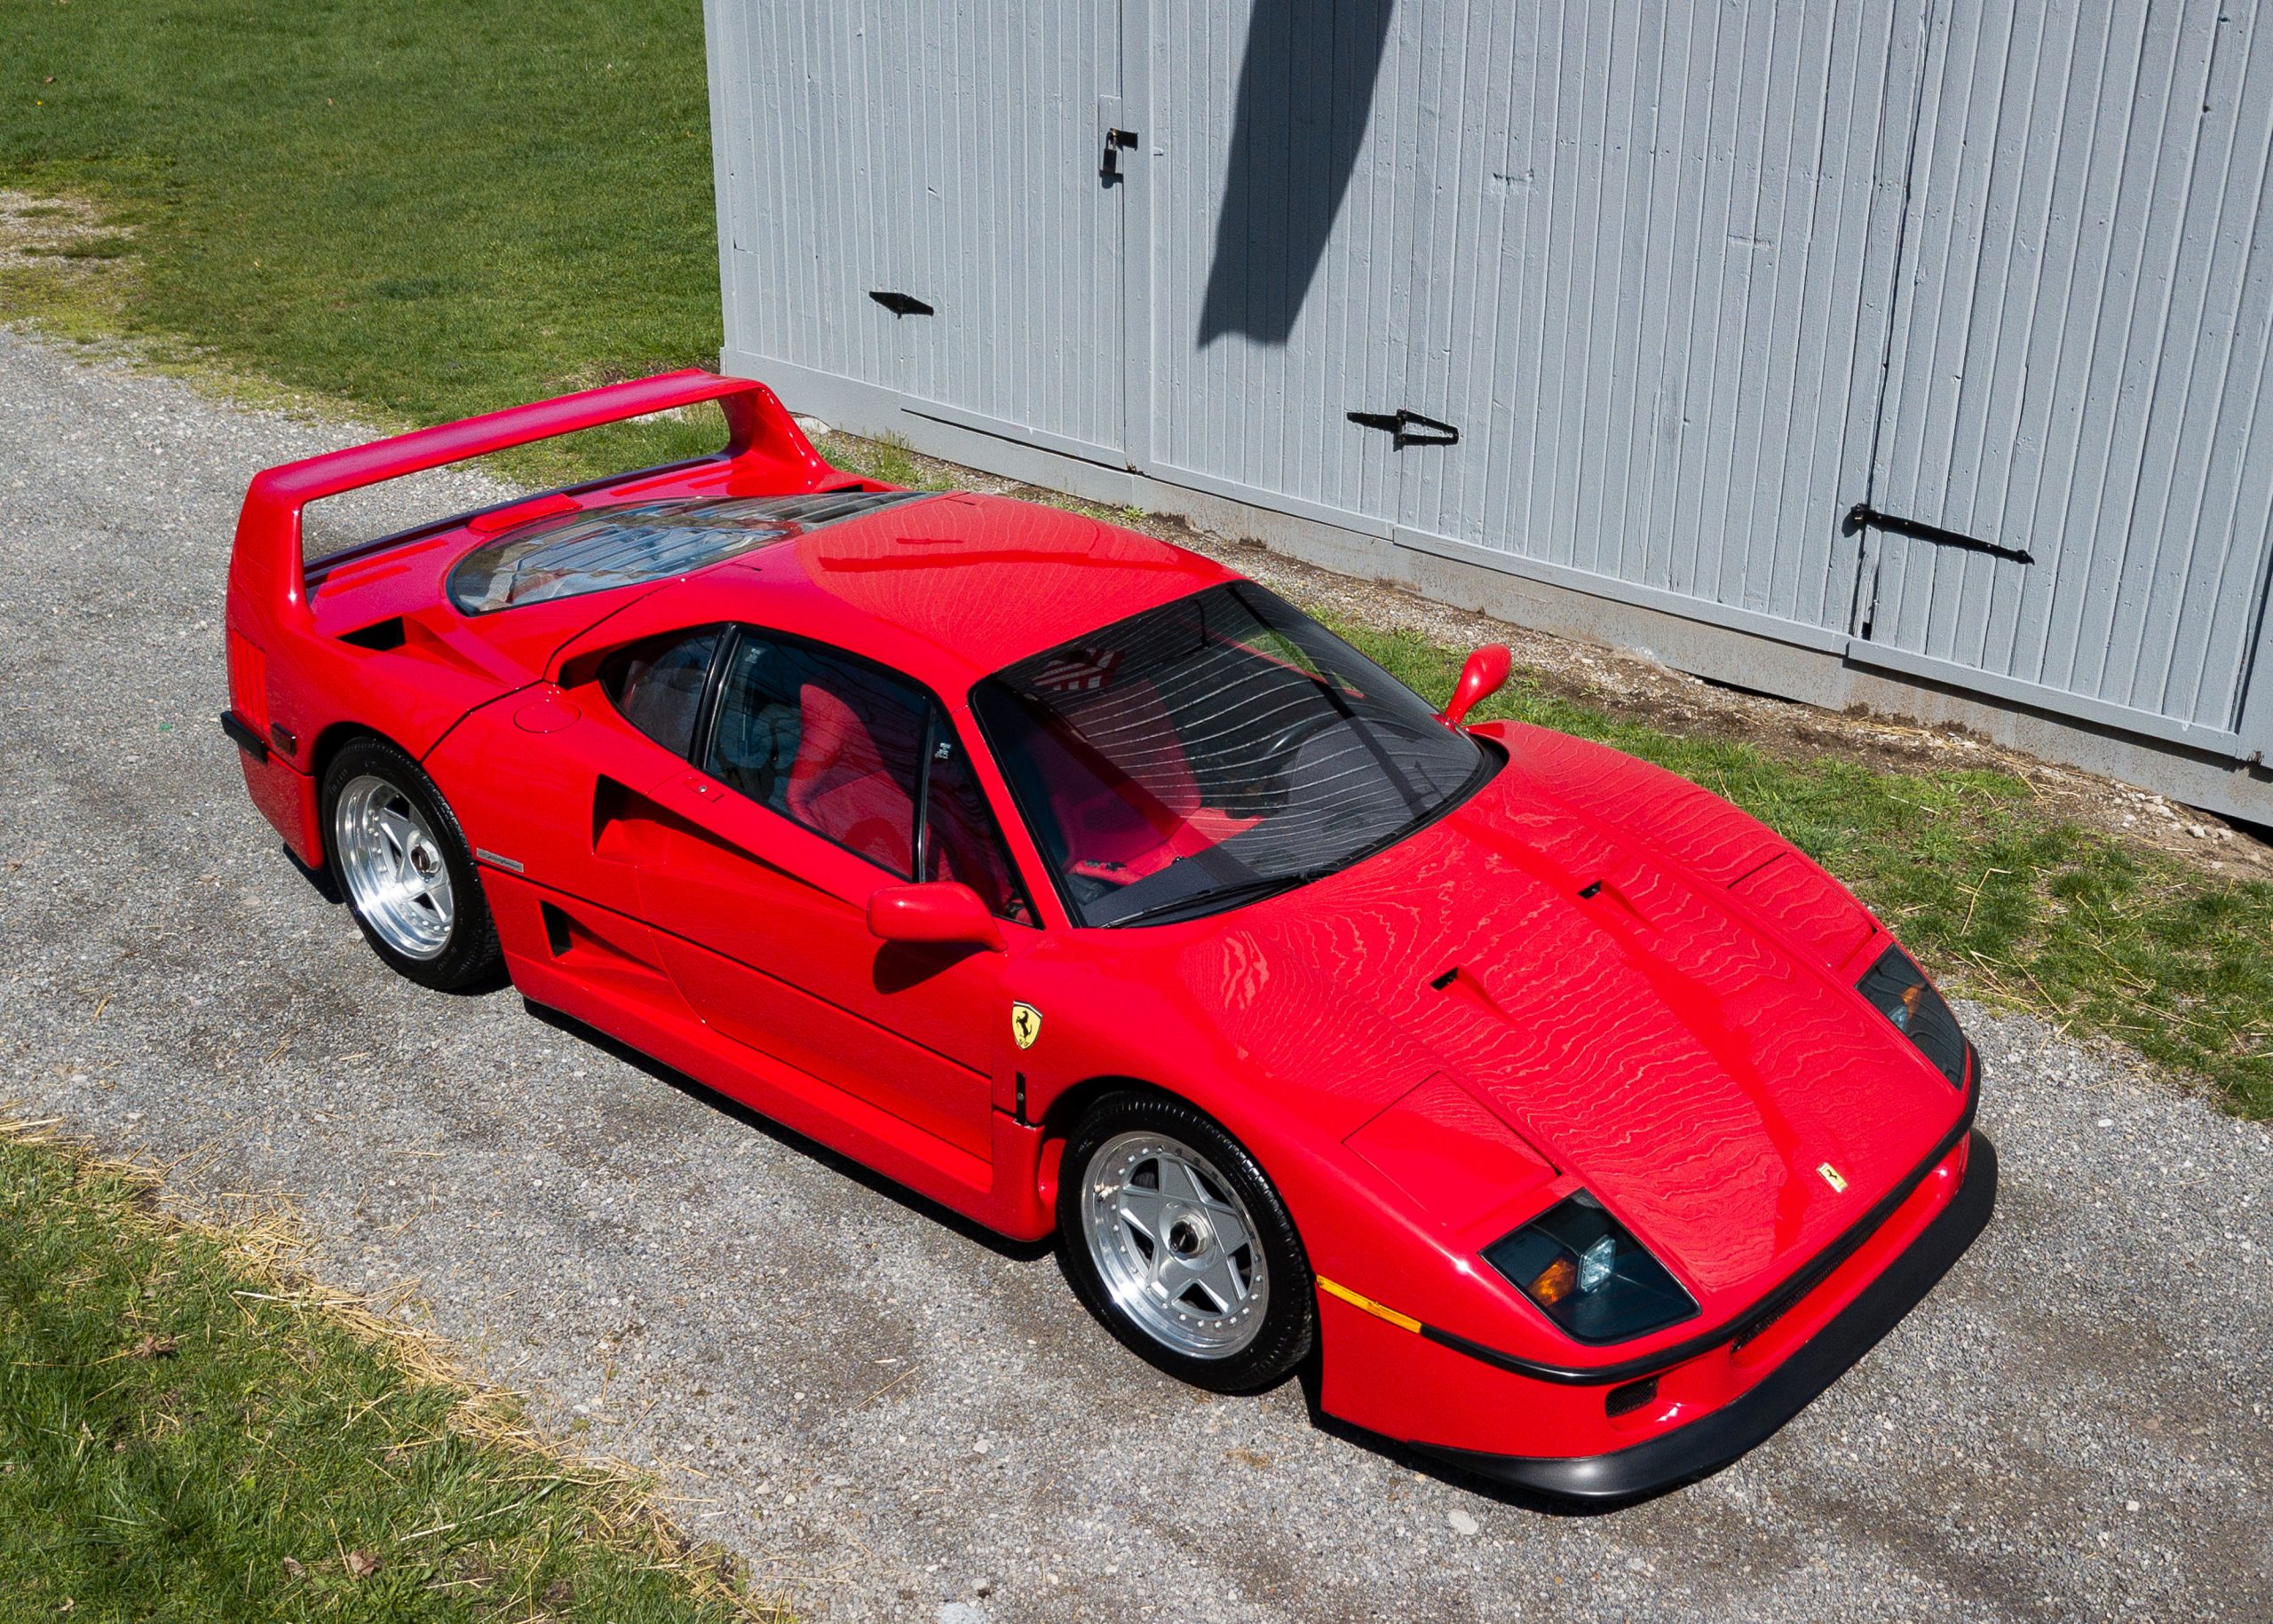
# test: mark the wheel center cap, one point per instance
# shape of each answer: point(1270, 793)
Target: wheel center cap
point(1188, 1235)
point(422, 859)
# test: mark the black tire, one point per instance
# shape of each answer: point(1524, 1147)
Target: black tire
point(468, 954)
point(1289, 1313)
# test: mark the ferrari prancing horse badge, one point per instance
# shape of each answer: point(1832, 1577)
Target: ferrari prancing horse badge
point(1025, 1024)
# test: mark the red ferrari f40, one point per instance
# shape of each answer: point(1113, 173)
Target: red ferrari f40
point(1578, 1126)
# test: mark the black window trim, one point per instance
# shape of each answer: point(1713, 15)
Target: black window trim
point(937, 725)
point(714, 683)
point(919, 850)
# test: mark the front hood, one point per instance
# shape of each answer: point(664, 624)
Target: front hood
point(1639, 1025)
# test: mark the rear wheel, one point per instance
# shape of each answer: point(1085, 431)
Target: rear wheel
point(404, 869)
point(1176, 1238)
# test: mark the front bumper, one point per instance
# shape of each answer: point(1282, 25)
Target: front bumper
point(1719, 1437)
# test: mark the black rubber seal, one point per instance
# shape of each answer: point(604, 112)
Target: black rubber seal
point(251, 742)
point(1712, 1441)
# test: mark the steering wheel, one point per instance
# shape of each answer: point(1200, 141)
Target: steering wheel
point(1297, 731)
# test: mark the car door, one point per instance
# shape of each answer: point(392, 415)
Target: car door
point(807, 772)
point(534, 780)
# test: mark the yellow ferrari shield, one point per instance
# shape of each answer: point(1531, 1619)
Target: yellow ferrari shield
point(1025, 1024)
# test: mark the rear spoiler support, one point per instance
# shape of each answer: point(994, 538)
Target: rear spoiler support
point(267, 552)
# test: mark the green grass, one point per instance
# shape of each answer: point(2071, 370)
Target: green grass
point(888, 460)
point(177, 1443)
point(2003, 903)
point(423, 210)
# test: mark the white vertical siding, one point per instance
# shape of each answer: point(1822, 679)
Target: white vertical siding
point(1691, 281)
point(2080, 353)
point(947, 149)
point(1646, 289)
point(1245, 404)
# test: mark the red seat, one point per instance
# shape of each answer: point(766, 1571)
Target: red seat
point(840, 786)
point(1141, 813)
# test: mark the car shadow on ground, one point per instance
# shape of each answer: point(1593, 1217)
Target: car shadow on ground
point(1428, 1466)
point(1308, 1376)
point(789, 1138)
point(320, 881)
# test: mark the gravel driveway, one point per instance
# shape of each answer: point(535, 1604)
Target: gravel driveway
point(895, 1417)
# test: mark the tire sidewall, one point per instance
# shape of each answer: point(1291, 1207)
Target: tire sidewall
point(1289, 1327)
point(472, 954)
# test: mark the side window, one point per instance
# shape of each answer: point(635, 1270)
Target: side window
point(826, 741)
point(960, 841)
point(658, 686)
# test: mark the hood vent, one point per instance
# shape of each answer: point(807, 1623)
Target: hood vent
point(1461, 983)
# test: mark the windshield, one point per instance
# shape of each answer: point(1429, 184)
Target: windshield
point(1212, 752)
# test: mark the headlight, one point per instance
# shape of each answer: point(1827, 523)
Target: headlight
point(1899, 990)
point(1591, 1276)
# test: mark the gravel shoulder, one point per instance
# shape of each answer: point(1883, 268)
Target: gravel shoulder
point(895, 1417)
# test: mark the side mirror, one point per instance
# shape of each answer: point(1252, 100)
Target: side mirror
point(1479, 679)
point(942, 911)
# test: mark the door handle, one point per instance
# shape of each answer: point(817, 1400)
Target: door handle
point(1116, 138)
point(624, 820)
point(1864, 516)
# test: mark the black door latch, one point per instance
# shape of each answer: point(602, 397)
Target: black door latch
point(1115, 140)
point(900, 303)
point(1408, 428)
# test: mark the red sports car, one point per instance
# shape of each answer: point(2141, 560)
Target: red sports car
point(1580, 1127)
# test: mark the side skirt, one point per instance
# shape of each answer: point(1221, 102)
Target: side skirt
point(1001, 1191)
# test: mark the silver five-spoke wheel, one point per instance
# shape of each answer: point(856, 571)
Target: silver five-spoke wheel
point(393, 868)
point(1173, 1245)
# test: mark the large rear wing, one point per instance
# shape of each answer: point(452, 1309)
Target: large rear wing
point(266, 566)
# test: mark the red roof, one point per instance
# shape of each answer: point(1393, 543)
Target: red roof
point(980, 581)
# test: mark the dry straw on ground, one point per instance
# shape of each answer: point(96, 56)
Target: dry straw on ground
point(261, 1239)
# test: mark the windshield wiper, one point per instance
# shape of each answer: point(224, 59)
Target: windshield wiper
point(1228, 896)
point(1257, 889)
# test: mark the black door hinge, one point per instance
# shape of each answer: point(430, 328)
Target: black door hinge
point(1408, 428)
point(1863, 515)
point(901, 303)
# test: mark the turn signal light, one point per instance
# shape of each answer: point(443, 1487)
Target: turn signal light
point(1555, 1282)
point(1592, 1275)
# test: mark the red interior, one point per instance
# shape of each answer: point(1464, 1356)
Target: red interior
point(840, 786)
point(1120, 827)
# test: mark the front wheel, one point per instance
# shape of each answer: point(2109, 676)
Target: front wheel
point(406, 870)
point(1176, 1238)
